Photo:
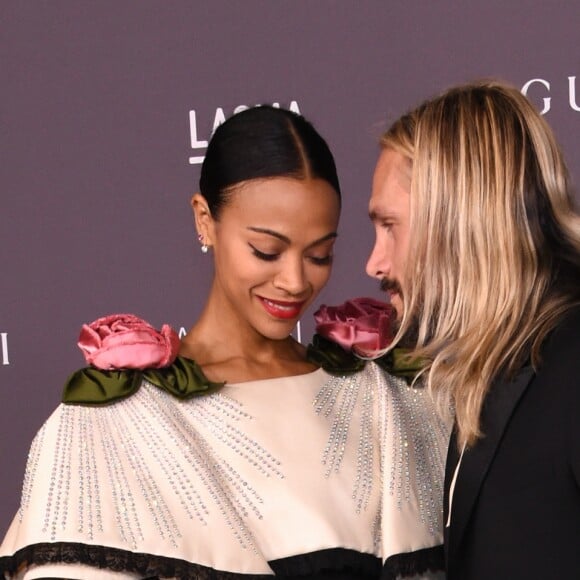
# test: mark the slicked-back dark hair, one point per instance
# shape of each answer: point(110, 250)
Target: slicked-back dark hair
point(263, 142)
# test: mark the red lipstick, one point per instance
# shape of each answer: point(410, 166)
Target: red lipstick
point(282, 309)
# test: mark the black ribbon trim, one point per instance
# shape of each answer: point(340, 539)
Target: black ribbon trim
point(414, 563)
point(332, 563)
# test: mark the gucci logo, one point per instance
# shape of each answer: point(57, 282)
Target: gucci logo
point(546, 88)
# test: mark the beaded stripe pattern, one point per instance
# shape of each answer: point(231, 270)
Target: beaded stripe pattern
point(31, 471)
point(337, 401)
point(127, 440)
point(413, 440)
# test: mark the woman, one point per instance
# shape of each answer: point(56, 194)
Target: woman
point(490, 278)
point(135, 477)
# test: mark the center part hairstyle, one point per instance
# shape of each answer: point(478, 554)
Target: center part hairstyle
point(260, 143)
point(494, 254)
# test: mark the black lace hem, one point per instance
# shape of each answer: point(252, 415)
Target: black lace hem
point(331, 564)
point(413, 563)
point(148, 566)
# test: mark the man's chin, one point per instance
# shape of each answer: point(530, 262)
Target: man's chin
point(409, 340)
point(397, 304)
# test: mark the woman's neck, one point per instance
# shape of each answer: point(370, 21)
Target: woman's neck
point(231, 352)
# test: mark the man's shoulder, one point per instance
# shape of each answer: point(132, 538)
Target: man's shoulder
point(563, 342)
point(559, 365)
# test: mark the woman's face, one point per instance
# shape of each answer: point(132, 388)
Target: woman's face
point(273, 247)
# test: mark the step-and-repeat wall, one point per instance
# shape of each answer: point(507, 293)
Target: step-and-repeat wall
point(105, 112)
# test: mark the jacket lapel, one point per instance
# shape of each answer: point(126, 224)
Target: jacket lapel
point(498, 408)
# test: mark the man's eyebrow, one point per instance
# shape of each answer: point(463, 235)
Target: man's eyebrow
point(286, 239)
point(377, 216)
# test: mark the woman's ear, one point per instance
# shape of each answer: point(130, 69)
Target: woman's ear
point(204, 223)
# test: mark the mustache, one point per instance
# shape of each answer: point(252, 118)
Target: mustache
point(391, 285)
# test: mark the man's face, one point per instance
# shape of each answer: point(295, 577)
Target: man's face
point(389, 210)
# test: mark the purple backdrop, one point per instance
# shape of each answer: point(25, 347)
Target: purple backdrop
point(97, 131)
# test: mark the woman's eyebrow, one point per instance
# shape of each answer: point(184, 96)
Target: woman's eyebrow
point(325, 238)
point(286, 239)
point(270, 233)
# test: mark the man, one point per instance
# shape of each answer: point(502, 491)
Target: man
point(478, 246)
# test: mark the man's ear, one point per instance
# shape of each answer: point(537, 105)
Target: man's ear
point(204, 223)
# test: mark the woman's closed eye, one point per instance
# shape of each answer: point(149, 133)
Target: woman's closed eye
point(321, 260)
point(273, 256)
point(266, 256)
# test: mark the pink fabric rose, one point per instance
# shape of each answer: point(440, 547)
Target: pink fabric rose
point(363, 325)
point(124, 341)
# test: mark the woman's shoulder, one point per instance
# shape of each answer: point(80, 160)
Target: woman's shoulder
point(354, 337)
point(122, 351)
point(348, 334)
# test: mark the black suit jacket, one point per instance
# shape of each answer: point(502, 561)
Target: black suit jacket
point(516, 505)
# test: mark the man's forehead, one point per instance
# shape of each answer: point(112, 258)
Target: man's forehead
point(392, 170)
point(391, 181)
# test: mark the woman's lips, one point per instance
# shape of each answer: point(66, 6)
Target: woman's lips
point(282, 309)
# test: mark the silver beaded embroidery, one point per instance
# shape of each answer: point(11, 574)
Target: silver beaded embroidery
point(112, 436)
point(89, 506)
point(138, 439)
point(388, 409)
point(337, 400)
point(56, 511)
point(419, 447)
point(31, 470)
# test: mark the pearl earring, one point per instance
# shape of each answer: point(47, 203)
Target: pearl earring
point(204, 247)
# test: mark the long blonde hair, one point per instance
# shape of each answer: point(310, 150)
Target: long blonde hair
point(494, 256)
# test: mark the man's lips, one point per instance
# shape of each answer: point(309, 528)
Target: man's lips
point(281, 308)
point(391, 288)
point(394, 297)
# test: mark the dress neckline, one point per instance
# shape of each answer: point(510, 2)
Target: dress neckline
point(309, 374)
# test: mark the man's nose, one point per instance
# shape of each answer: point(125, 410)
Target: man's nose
point(377, 266)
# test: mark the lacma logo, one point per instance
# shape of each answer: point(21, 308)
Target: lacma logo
point(218, 119)
point(531, 85)
point(4, 348)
